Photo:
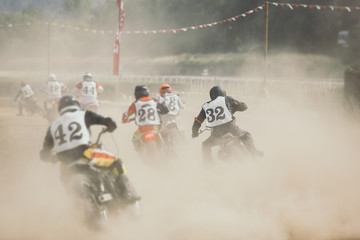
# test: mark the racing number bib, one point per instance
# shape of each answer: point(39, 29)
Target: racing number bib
point(217, 112)
point(27, 91)
point(172, 102)
point(146, 113)
point(88, 89)
point(70, 131)
point(54, 89)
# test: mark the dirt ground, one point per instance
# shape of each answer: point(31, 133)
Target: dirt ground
point(305, 187)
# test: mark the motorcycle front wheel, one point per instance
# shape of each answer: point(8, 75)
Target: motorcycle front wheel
point(95, 214)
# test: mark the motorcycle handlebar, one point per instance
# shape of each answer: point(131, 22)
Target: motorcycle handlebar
point(205, 129)
point(103, 130)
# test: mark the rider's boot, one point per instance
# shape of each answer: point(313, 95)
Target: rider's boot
point(127, 191)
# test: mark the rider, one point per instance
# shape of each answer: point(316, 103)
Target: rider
point(219, 116)
point(26, 95)
point(53, 88)
point(88, 90)
point(69, 137)
point(173, 102)
point(146, 110)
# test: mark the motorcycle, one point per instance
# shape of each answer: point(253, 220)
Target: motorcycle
point(230, 147)
point(95, 188)
point(51, 112)
point(148, 144)
point(31, 107)
point(172, 135)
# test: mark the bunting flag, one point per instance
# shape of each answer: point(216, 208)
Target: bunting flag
point(121, 21)
point(291, 6)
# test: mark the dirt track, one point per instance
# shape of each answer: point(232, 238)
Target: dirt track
point(306, 187)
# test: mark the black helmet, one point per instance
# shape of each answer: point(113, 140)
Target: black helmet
point(66, 101)
point(141, 91)
point(217, 91)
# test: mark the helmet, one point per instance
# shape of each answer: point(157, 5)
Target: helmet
point(141, 91)
point(87, 77)
point(52, 77)
point(165, 88)
point(67, 101)
point(217, 91)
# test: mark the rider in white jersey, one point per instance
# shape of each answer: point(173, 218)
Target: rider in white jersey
point(171, 130)
point(69, 138)
point(218, 114)
point(26, 95)
point(53, 88)
point(173, 102)
point(146, 110)
point(88, 91)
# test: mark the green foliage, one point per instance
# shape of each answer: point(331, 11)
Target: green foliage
point(301, 30)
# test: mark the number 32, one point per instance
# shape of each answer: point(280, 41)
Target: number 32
point(219, 111)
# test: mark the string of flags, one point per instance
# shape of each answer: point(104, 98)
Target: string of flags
point(291, 6)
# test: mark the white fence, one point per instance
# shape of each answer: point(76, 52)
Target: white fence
point(243, 87)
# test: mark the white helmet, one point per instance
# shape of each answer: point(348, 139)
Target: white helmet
point(87, 77)
point(52, 77)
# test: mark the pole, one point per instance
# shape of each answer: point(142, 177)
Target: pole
point(116, 56)
point(262, 93)
point(266, 42)
point(48, 52)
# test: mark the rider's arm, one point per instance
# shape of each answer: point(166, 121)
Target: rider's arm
point(44, 87)
point(76, 90)
point(92, 118)
point(161, 107)
point(63, 87)
point(48, 144)
point(197, 123)
point(17, 95)
point(99, 88)
point(181, 103)
point(234, 105)
point(130, 111)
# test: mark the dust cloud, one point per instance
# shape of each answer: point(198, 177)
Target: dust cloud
point(305, 187)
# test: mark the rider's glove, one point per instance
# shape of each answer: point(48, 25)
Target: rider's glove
point(110, 124)
point(195, 134)
point(125, 118)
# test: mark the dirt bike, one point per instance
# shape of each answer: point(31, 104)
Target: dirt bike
point(51, 111)
point(31, 106)
point(172, 135)
point(230, 147)
point(96, 191)
point(149, 144)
